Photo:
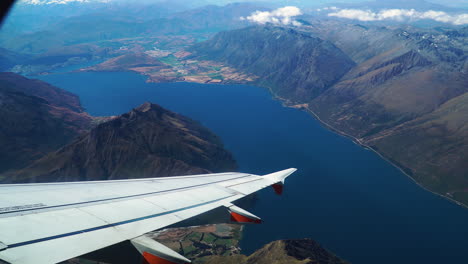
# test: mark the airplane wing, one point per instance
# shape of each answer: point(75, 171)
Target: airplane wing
point(53, 222)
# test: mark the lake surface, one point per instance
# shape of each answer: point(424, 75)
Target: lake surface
point(343, 196)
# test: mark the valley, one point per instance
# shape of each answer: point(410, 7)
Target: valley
point(376, 100)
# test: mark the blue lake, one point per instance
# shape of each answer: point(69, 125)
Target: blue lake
point(343, 196)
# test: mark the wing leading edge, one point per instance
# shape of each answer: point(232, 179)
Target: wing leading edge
point(50, 223)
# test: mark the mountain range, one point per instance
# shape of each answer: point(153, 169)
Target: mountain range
point(61, 37)
point(119, 22)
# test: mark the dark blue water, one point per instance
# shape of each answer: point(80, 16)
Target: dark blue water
point(347, 198)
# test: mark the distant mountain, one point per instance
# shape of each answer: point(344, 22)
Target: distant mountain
point(149, 141)
point(216, 18)
point(73, 31)
point(293, 64)
point(56, 58)
point(35, 119)
point(65, 53)
point(303, 251)
point(402, 94)
point(8, 59)
point(123, 21)
point(47, 14)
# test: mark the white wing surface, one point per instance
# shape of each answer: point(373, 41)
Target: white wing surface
point(53, 222)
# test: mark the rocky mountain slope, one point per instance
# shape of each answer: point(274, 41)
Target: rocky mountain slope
point(35, 118)
point(149, 141)
point(403, 93)
point(408, 101)
point(293, 64)
point(304, 251)
point(53, 95)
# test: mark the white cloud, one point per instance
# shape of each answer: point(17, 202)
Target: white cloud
point(401, 15)
point(280, 16)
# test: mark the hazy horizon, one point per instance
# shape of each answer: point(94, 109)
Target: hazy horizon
point(302, 3)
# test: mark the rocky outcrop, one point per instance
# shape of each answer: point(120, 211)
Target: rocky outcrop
point(301, 251)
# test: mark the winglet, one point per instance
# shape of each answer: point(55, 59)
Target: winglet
point(280, 176)
point(277, 179)
point(156, 253)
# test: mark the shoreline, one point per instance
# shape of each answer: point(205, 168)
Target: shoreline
point(356, 141)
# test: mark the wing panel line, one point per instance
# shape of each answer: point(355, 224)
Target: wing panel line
point(7, 185)
point(243, 182)
point(114, 224)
